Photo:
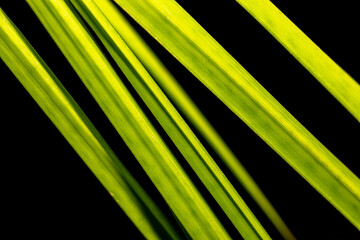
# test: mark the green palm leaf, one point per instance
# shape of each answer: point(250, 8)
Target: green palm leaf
point(113, 30)
point(128, 119)
point(71, 121)
point(188, 42)
point(95, 13)
point(232, 84)
point(340, 84)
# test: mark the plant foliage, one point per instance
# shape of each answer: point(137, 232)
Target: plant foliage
point(101, 45)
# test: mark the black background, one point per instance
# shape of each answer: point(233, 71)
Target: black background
point(47, 190)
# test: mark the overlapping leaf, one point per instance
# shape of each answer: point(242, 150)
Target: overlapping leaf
point(97, 14)
point(183, 37)
point(128, 119)
point(71, 121)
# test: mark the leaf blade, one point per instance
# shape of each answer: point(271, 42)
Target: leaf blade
point(96, 14)
point(175, 92)
point(339, 83)
point(72, 122)
point(128, 119)
point(230, 82)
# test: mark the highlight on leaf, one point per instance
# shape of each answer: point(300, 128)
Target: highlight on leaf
point(128, 119)
point(72, 122)
point(339, 83)
point(242, 94)
point(187, 143)
point(202, 199)
point(118, 36)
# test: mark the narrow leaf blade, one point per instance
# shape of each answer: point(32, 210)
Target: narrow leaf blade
point(183, 37)
point(95, 13)
point(128, 119)
point(71, 121)
point(183, 101)
point(339, 83)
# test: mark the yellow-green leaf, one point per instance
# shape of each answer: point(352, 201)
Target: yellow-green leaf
point(183, 37)
point(339, 83)
point(128, 119)
point(178, 95)
point(72, 122)
point(97, 14)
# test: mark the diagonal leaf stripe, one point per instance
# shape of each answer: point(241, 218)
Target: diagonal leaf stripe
point(72, 122)
point(182, 36)
point(178, 95)
point(340, 84)
point(95, 13)
point(128, 119)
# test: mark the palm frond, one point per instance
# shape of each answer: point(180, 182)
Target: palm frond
point(185, 140)
point(188, 188)
point(128, 119)
point(72, 122)
point(233, 85)
point(120, 26)
point(340, 84)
